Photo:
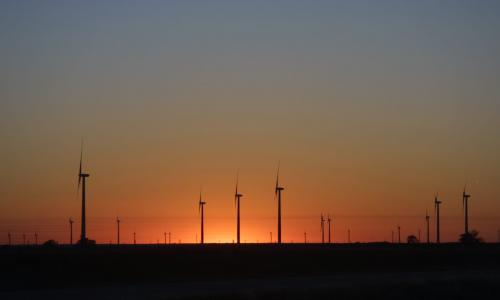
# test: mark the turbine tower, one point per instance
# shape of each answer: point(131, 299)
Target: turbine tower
point(437, 203)
point(237, 197)
point(81, 180)
point(71, 231)
point(277, 193)
point(322, 229)
point(329, 230)
point(465, 200)
point(399, 234)
point(427, 218)
point(118, 230)
point(201, 205)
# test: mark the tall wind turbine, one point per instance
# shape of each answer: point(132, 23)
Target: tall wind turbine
point(277, 193)
point(322, 229)
point(237, 197)
point(36, 238)
point(201, 205)
point(437, 203)
point(118, 230)
point(465, 199)
point(71, 231)
point(329, 230)
point(81, 180)
point(427, 218)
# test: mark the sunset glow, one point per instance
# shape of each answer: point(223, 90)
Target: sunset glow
point(369, 120)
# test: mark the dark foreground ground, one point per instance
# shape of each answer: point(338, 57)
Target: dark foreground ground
point(295, 271)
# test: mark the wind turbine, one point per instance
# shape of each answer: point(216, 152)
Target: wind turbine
point(118, 230)
point(329, 228)
point(71, 231)
point(305, 237)
point(322, 229)
point(437, 203)
point(134, 238)
point(277, 193)
point(399, 234)
point(465, 200)
point(81, 180)
point(10, 238)
point(201, 205)
point(165, 237)
point(237, 197)
point(427, 218)
point(36, 238)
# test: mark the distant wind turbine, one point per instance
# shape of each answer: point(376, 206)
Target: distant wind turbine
point(81, 180)
point(322, 229)
point(118, 230)
point(465, 199)
point(427, 218)
point(399, 234)
point(305, 237)
point(437, 203)
point(277, 193)
point(165, 236)
point(169, 241)
point(71, 231)
point(201, 205)
point(134, 238)
point(329, 230)
point(9, 236)
point(237, 197)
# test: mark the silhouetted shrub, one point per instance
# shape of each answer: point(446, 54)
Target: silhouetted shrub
point(411, 239)
point(50, 243)
point(470, 238)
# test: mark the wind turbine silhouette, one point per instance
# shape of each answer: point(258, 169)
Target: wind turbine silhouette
point(237, 197)
point(201, 205)
point(322, 229)
point(118, 230)
point(427, 222)
point(134, 238)
point(465, 200)
point(399, 234)
point(329, 228)
point(81, 180)
point(437, 203)
point(277, 193)
point(36, 238)
point(71, 231)
point(165, 237)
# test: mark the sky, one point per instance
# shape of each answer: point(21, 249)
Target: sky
point(371, 108)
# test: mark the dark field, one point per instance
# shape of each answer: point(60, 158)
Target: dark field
point(293, 271)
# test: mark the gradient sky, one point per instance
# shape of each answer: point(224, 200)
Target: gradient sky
point(372, 107)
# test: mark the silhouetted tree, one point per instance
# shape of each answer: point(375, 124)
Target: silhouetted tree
point(50, 243)
point(411, 239)
point(471, 237)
